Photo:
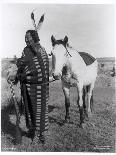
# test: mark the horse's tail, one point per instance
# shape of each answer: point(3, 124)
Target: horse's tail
point(96, 67)
point(96, 63)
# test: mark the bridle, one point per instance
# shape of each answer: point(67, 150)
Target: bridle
point(67, 52)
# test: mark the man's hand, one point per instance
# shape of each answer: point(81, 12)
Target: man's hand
point(11, 78)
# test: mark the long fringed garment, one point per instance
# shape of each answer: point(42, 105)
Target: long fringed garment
point(35, 87)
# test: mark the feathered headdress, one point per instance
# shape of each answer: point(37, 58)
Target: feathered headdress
point(38, 26)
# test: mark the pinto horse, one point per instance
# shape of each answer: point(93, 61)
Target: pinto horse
point(69, 66)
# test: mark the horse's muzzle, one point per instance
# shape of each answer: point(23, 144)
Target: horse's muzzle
point(56, 77)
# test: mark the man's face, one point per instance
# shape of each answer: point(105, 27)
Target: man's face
point(28, 39)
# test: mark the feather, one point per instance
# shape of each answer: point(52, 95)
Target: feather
point(41, 19)
point(40, 22)
point(33, 20)
point(32, 16)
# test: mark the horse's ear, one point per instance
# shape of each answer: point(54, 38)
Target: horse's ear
point(65, 39)
point(53, 40)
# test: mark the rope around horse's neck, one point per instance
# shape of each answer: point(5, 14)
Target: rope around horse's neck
point(71, 48)
point(68, 53)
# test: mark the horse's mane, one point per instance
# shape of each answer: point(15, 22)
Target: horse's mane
point(58, 42)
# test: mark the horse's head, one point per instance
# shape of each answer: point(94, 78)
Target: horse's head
point(58, 56)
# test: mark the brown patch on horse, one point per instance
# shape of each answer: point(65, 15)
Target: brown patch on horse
point(88, 59)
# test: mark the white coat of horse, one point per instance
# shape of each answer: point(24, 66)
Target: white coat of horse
point(69, 66)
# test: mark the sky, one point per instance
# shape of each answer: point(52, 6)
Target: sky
point(90, 27)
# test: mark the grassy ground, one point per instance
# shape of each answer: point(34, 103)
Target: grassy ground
point(98, 134)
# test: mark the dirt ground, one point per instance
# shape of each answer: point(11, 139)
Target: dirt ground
point(98, 135)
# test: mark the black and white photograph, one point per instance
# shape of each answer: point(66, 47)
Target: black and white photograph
point(58, 74)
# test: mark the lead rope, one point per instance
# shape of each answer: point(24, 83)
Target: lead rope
point(40, 84)
point(47, 82)
point(18, 135)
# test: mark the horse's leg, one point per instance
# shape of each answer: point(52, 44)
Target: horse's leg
point(84, 104)
point(83, 96)
point(67, 102)
point(91, 102)
point(90, 97)
point(80, 104)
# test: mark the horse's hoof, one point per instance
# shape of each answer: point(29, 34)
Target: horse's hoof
point(82, 125)
point(67, 119)
point(89, 114)
point(86, 117)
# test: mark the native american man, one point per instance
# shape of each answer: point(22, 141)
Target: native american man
point(33, 74)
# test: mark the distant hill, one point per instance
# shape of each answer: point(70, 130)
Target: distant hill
point(106, 59)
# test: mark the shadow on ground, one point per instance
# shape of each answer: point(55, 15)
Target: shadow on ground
point(6, 126)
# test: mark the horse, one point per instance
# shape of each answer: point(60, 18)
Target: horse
point(69, 66)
